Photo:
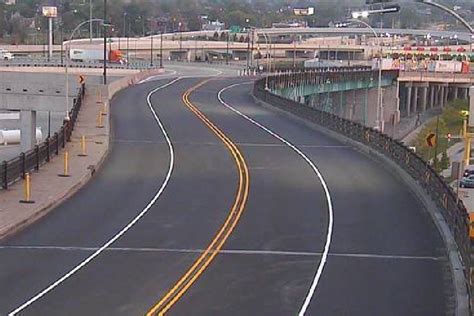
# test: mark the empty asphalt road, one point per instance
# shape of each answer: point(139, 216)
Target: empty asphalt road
point(209, 204)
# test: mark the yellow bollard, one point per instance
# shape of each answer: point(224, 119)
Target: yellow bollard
point(104, 109)
point(83, 147)
point(99, 120)
point(27, 190)
point(99, 96)
point(66, 166)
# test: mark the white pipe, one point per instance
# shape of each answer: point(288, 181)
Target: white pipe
point(13, 136)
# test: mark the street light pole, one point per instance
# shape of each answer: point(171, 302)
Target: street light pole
point(90, 20)
point(379, 122)
point(105, 42)
point(68, 44)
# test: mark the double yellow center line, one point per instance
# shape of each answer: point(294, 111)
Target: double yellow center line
point(193, 273)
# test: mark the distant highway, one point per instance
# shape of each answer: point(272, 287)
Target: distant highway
point(209, 204)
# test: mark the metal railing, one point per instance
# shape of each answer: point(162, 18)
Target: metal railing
point(452, 208)
point(17, 168)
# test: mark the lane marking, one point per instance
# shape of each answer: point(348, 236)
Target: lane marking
point(167, 73)
point(200, 265)
point(228, 251)
point(129, 225)
point(174, 72)
point(132, 141)
point(327, 245)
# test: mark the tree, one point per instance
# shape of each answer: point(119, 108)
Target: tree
point(444, 163)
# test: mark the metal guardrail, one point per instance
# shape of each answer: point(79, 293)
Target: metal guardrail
point(17, 168)
point(453, 210)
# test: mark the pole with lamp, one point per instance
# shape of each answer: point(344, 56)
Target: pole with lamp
point(379, 122)
point(104, 29)
point(90, 21)
point(269, 60)
point(68, 47)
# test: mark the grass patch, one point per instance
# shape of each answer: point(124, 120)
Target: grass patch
point(450, 121)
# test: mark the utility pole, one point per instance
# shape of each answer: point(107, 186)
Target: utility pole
point(90, 19)
point(435, 160)
point(105, 23)
point(50, 38)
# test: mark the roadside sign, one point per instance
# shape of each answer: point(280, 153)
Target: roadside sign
point(82, 79)
point(235, 29)
point(431, 140)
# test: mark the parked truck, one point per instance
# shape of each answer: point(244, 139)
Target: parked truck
point(83, 55)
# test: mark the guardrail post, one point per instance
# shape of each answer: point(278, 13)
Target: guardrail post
point(23, 165)
point(5, 175)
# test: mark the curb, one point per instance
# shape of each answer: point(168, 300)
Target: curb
point(457, 272)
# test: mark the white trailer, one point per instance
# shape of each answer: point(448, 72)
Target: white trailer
point(87, 55)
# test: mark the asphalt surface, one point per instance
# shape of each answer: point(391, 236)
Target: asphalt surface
point(385, 256)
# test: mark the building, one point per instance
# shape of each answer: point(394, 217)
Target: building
point(208, 25)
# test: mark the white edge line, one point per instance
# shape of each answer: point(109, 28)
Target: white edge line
point(327, 245)
point(128, 226)
point(173, 72)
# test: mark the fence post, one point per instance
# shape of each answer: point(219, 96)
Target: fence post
point(37, 158)
point(56, 135)
point(64, 136)
point(5, 175)
point(48, 154)
point(23, 165)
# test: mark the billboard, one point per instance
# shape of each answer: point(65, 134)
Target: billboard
point(304, 11)
point(50, 12)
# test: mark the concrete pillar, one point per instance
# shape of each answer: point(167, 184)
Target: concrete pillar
point(465, 93)
point(415, 100)
point(28, 130)
point(397, 106)
point(409, 100)
point(446, 90)
point(439, 100)
point(432, 96)
point(441, 96)
point(424, 98)
point(455, 93)
point(471, 105)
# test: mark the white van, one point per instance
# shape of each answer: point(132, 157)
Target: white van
point(5, 55)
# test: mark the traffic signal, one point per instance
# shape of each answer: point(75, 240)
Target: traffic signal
point(448, 136)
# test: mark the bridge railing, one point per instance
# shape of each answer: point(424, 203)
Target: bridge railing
point(17, 168)
point(452, 208)
point(321, 76)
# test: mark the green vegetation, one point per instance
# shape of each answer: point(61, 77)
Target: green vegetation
point(23, 23)
point(450, 121)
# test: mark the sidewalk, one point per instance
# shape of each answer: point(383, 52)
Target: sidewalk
point(48, 189)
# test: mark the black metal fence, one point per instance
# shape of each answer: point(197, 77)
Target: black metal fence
point(453, 209)
point(16, 168)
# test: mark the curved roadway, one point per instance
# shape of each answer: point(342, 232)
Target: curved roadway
point(323, 224)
